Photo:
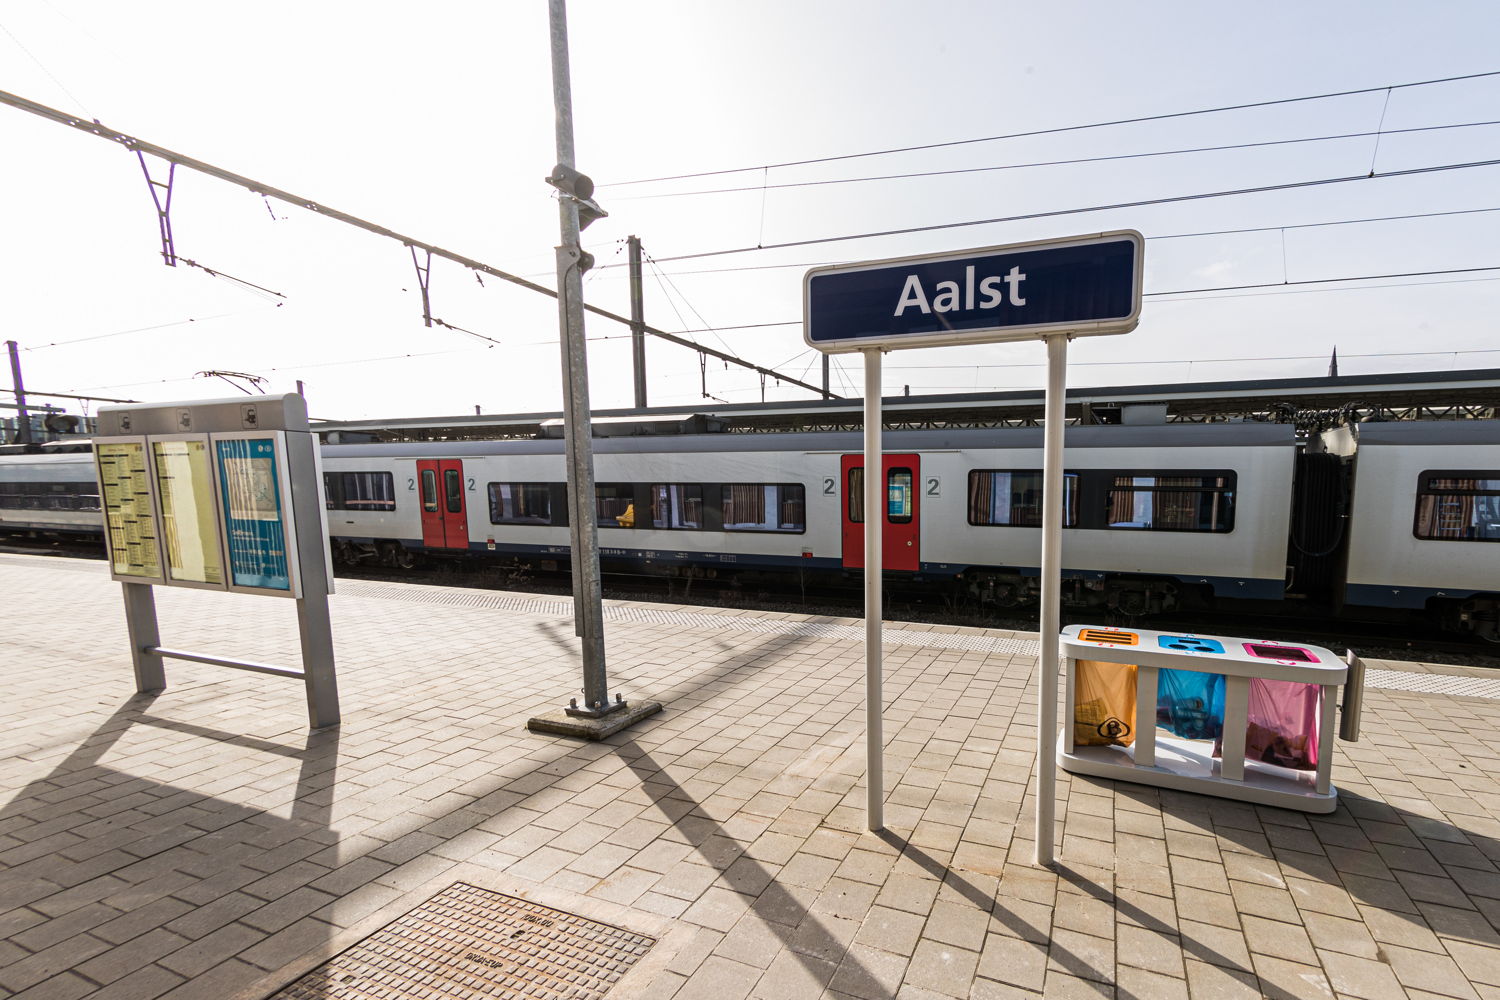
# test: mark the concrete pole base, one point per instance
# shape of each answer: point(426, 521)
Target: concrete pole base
point(560, 723)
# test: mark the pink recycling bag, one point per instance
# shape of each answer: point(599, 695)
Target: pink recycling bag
point(1281, 724)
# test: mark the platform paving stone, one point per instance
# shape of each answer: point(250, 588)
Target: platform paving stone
point(201, 842)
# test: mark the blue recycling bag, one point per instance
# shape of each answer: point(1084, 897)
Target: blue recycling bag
point(1190, 704)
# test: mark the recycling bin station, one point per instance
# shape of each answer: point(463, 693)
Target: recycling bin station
point(1247, 719)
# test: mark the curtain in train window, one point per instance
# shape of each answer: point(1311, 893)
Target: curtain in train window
point(368, 491)
point(1015, 498)
point(765, 507)
point(1188, 502)
point(1459, 506)
point(676, 505)
point(520, 503)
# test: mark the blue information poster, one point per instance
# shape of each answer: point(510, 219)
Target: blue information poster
point(251, 493)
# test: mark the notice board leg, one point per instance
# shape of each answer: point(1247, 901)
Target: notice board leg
point(317, 661)
point(140, 624)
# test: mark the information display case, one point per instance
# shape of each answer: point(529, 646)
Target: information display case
point(221, 495)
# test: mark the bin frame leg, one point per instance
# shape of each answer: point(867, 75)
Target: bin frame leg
point(1236, 719)
point(1325, 738)
point(1145, 716)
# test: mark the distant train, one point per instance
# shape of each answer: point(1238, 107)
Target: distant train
point(1369, 520)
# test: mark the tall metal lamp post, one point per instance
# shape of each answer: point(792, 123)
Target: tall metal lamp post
point(598, 716)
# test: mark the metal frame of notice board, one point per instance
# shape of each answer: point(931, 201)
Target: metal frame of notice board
point(266, 520)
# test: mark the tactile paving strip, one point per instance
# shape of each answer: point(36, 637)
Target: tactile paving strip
point(1463, 687)
point(471, 942)
point(1394, 680)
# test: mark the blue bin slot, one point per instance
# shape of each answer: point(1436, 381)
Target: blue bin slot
point(1189, 644)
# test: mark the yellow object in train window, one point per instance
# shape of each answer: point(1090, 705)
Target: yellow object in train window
point(1103, 704)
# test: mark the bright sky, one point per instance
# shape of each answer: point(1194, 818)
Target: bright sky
point(436, 121)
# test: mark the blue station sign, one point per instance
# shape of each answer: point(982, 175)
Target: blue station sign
point(1084, 285)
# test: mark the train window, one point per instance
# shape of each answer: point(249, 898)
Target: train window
point(429, 491)
point(1458, 506)
point(520, 503)
point(1171, 501)
point(765, 507)
point(361, 491)
point(1014, 498)
point(898, 496)
point(677, 505)
point(856, 495)
point(83, 496)
point(453, 491)
point(614, 505)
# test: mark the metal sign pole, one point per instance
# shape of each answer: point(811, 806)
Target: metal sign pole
point(1054, 509)
point(874, 520)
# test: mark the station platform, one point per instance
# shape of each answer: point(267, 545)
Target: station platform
point(201, 843)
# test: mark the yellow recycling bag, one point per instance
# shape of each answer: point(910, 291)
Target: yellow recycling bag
point(1104, 704)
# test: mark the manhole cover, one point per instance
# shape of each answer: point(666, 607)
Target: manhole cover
point(466, 942)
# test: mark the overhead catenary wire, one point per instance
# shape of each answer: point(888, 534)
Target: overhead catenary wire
point(1056, 213)
point(1149, 238)
point(1267, 285)
point(140, 147)
point(1058, 130)
point(1073, 161)
point(138, 329)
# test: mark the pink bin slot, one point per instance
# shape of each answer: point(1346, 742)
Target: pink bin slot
point(1281, 726)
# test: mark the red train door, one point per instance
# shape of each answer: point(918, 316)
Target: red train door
point(440, 486)
point(901, 523)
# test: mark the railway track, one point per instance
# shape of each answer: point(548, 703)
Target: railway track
point(1377, 640)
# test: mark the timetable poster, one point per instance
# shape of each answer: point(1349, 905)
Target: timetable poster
point(125, 489)
point(185, 482)
point(250, 491)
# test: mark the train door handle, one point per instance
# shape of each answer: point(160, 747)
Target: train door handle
point(908, 543)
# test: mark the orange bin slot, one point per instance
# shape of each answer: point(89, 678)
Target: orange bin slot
point(1115, 636)
point(1103, 704)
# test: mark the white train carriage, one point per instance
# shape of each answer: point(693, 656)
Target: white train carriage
point(1152, 511)
point(52, 493)
point(1425, 519)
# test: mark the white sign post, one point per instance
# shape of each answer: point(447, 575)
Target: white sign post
point(1053, 290)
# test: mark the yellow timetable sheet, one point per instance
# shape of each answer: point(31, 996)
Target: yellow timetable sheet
point(189, 522)
point(125, 488)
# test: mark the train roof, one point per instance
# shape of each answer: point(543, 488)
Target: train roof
point(1324, 400)
point(1473, 432)
point(946, 439)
